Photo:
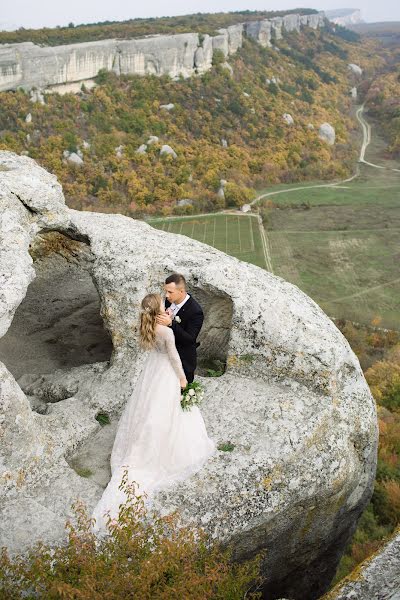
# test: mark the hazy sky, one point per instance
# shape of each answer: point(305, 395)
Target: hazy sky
point(39, 13)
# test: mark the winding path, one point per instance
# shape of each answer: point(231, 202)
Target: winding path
point(366, 127)
point(366, 130)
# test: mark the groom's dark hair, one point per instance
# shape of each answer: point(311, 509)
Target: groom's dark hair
point(177, 279)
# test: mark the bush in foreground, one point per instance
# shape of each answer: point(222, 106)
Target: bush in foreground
point(142, 556)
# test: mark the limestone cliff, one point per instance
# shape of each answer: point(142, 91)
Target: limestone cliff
point(28, 66)
point(293, 402)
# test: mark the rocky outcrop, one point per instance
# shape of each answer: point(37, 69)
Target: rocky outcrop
point(261, 31)
point(266, 30)
point(376, 577)
point(293, 401)
point(29, 66)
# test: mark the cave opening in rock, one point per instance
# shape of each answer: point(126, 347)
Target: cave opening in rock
point(215, 333)
point(58, 324)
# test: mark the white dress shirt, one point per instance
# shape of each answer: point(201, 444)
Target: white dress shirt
point(175, 307)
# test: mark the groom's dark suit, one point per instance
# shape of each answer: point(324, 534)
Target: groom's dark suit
point(191, 319)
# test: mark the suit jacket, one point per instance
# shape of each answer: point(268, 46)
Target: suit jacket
point(186, 332)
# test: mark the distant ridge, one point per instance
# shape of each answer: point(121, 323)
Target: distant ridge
point(344, 16)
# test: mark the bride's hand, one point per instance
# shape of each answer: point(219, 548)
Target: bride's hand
point(183, 382)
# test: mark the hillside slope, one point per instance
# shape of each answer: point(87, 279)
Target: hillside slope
point(222, 126)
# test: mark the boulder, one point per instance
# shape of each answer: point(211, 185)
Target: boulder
point(153, 139)
point(221, 192)
point(75, 159)
point(167, 150)
point(293, 401)
point(119, 151)
point(224, 143)
point(355, 69)
point(353, 93)
point(28, 118)
point(288, 119)
point(184, 202)
point(37, 96)
point(327, 134)
point(168, 107)
point(142, 149)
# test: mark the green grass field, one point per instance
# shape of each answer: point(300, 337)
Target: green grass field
point(340, 245)
point(237, 235)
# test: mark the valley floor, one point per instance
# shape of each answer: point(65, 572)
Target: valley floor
point(337, 242)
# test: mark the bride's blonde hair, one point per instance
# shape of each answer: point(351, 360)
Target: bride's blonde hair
point(150, 308)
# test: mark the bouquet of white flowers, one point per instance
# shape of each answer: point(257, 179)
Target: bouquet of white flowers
point(191, 395)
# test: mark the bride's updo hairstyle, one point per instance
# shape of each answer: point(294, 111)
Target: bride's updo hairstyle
point(149, 309)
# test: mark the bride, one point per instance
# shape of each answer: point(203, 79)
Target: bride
point(156, 440)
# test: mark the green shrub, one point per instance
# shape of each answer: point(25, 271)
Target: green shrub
point(226, 446)
point(103, 418)
point(218, 57)
point(143, 556)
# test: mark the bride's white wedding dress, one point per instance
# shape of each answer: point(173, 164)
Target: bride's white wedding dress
point(156, 440)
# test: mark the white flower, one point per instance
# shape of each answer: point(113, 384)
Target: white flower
point(192, 392)
point(177, 319)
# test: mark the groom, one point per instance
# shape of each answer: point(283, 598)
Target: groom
point(185, 316)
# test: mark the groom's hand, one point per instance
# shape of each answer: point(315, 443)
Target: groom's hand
point(164, 319)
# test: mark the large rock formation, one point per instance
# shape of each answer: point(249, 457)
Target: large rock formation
point(61, 68)
point(293, 400)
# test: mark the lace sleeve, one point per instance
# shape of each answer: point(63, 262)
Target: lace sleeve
point(169, 339)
